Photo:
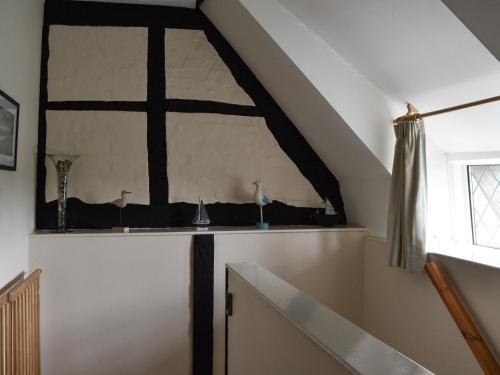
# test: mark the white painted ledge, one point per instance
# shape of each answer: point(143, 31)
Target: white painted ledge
point(355, 348)
point(491, 258)
point(469, 260)
point(192, 231)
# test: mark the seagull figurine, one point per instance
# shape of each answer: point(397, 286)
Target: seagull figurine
point(121, 202)
point(260, 200)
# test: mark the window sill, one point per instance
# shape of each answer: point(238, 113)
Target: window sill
point(481, 255)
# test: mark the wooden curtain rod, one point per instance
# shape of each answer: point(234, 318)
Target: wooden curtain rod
point(413, 114)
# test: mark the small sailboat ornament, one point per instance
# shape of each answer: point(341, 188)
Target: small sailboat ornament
point(201, 220)
point(329, 218)
point(329, 210)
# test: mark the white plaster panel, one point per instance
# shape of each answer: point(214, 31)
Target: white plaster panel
point(113, 154)
point(217, 157)
point(97, 63)
point(194, 70)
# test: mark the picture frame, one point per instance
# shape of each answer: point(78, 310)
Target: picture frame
point(9, 127)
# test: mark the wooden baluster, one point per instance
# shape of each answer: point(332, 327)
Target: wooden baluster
point(15, 337)
point(30, 331)
point(2, 339)
point(8, 341)
point(22, 334)
point(20, 327)
point(38, 348)
point(25, 332)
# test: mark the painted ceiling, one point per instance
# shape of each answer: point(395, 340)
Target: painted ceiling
point(423, 52)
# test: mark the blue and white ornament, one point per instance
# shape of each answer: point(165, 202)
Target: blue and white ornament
point(260, 200)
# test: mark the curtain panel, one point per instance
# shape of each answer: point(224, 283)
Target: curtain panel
point(406, 232)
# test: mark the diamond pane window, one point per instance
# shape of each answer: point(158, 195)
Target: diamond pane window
point(484, 193)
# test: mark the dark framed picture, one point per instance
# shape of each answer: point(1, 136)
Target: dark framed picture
point(9, 124)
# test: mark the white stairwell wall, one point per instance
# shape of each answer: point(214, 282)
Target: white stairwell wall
point(106, 294)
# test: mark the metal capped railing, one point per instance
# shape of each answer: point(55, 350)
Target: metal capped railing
point(276, 328)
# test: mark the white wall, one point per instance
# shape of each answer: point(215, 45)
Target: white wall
point(114, 304)
point(405, 311)
point(439, 226)
point(20, 43)
point(105, 295)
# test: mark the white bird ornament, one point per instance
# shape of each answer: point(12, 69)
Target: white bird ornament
point(260, 200)
point(121, 203)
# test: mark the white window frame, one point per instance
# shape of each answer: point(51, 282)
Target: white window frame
point(462, 245)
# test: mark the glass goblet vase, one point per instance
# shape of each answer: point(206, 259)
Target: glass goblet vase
point(62, 163)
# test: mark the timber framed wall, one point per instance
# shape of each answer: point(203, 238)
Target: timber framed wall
point(160, 211)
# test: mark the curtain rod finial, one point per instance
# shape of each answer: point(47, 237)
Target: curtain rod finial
point(411, 109)
point(412, 114)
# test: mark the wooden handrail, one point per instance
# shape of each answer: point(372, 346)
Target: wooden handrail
point(4, 291)
point(12, 282)
point(462, 318)
point(21, 286)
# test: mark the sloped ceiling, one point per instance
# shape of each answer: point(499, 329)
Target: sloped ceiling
point(480, 17)
point(420, 52)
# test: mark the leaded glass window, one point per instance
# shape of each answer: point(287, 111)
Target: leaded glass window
point(484, 194)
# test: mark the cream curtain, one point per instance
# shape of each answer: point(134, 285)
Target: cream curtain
point(408, 198)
